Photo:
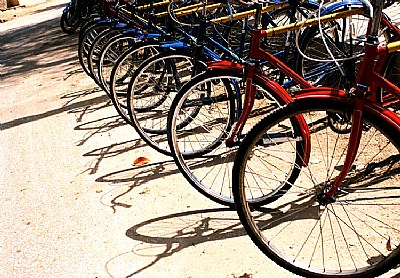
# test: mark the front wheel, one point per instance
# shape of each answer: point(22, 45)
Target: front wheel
point(354, 235)
point(198, 146)
point(153, 86)
point(69, 20)
point(123, 70)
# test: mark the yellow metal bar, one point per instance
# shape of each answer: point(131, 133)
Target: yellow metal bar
point(393, 46)
point(189, 9)
point(245, 14)
point(309, 22)
point(144, 7)
point(126, 11)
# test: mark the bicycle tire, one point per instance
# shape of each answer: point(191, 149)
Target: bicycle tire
point(344, 237)
point(89, 22)
point(109, 56)
point(198, 148)
point(97, 47)
point(122, 72)
point(152, 89)
point(65, 24)
point(87, 39)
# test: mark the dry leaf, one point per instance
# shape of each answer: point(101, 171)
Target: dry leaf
point(140, 161)
point(391, 245)
point(146, 190)
point(246, 275)
point(99, 191)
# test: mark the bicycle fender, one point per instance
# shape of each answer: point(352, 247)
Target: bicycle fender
point(148, 36)
point(274, 86)
point(174, 44)
point(225, 65)
point(120, 25)
point(133, 32)
point(334, 6)
point(323, 92)
point(67, 7)
point(384, 114)
point(104, 21)
point(320, 92)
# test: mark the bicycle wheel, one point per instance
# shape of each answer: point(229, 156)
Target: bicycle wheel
point(89, 22)
point(96, 49)
point(87, 40)
point(70, 20)
point(123, 70)
point(198, 146)
point(152, 89)
point(109, 56)
point(354, 235)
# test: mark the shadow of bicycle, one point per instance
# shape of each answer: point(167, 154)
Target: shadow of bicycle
point(164, 236)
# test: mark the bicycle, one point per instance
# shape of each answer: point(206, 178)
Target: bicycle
point(75, 13)
point(116, 16)
point(330, 162)
point(104, 37)
point(109, 45)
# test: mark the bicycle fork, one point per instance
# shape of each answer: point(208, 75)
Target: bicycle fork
point(361, 90)
point(248, 103)
point(354, 143)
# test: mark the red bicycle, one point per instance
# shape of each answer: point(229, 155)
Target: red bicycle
point(330, 163)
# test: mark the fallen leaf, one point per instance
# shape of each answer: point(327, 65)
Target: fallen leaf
point(391, 245)
point(146, 190)
point(140, 161)
point(99, 191)
point(246, 275)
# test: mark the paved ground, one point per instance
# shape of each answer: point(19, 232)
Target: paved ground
point(71, 202)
